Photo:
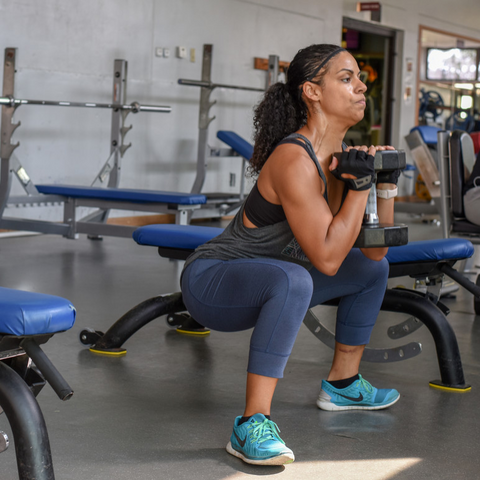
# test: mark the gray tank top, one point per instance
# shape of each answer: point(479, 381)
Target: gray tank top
point(272, 241)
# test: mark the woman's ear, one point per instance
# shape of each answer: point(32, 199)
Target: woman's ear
point(312, 91)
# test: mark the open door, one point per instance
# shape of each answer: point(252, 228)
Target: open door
point(373, 48)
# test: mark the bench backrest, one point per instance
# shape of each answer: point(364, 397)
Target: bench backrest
point(462, 160)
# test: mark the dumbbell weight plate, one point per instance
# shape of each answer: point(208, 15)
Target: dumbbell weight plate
point(382, 235)
point(390, 160)
point(387, 160)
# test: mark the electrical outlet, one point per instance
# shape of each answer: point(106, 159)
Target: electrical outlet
point(166, 52)
point(159, 52)
point(182, 52)
point(192, 55)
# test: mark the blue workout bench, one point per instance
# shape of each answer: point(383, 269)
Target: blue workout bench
point(183, 205)
point(28, 320)
point(102, 199)
point(429, 260)
point(236, 143)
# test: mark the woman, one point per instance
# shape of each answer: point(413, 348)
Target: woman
point(290, 246)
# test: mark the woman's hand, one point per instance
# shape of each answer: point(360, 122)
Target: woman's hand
point(363, 148)
point(356, 167)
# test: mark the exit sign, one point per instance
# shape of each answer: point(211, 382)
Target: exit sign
point(368, 6)
point(374, 7)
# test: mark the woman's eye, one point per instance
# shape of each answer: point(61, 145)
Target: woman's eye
point(346, 80)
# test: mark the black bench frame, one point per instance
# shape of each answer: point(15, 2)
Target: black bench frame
point(20, 382)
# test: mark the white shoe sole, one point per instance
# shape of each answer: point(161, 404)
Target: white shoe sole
point(329, 406)
point(283, 459)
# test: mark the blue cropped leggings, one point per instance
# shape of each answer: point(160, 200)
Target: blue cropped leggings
point(272, 297)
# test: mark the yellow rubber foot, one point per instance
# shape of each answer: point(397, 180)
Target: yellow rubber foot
point(450, 388)
point(199, 332)
point(111, 352)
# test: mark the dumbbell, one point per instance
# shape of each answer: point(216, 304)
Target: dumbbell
point(373, 233)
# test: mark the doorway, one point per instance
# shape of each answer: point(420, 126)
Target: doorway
point(373, 46)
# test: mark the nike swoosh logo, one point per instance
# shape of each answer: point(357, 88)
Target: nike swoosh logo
point(241, 442)
point(353, 399)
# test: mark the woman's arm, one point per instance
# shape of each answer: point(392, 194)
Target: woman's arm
point(326, 240)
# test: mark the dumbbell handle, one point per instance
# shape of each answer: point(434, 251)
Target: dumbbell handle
point(384, 160)
point(371, 216)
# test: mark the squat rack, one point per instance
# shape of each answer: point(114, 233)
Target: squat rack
point(218, 204)
point(10, 164)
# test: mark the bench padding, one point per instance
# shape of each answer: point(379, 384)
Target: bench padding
point(428, 133)
point(191, 236)
point(237, 143)
point(428, 250)
point(124, 194)
point(29, 313)
point(186, 237)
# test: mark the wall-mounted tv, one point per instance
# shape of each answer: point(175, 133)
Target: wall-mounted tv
point(447, 64)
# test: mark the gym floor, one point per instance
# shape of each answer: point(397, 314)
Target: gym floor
point(166, 409)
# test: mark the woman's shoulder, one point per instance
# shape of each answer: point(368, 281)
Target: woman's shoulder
point(290, 159)
point(290, 169)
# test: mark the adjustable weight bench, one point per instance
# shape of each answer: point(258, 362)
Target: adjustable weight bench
point(28, 320)
point(238, 144)
point(427, 259)
point(182, 205)
point(103, 199)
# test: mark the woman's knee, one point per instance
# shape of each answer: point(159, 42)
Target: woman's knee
point(379, 270)
point(372, 271)
point(296, 284)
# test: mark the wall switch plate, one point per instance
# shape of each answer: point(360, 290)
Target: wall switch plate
point(166, 52)
point(192, 55)
point(159, 52)
point(182, 52)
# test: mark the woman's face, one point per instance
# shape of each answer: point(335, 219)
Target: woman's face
point(343, 93)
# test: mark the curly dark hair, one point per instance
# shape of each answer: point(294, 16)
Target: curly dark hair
point(282, 110)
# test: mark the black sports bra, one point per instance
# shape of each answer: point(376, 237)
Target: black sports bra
point(260, 211)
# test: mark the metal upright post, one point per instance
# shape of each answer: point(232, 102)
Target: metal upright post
point(273, 70)
point(117, 148)
point(204, 120)
point(118, 119)
point(444, 174)
point(8, 127)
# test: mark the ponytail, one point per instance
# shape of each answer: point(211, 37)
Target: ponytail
point(278, 115)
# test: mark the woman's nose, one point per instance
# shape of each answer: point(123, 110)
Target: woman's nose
point(361, 86)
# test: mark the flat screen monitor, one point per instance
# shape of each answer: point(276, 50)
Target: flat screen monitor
point(458, 64)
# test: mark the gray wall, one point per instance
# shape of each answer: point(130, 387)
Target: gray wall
point(66, 50)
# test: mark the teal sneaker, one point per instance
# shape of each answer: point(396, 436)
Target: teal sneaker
point(257, 442)
point(360, 395)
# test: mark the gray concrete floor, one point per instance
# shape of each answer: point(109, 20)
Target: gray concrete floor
point(165, 410)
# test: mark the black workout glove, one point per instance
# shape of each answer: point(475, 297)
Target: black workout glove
point(388, 177)
point(359, 164)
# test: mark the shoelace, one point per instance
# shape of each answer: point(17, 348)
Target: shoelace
point(261, 432)
point(366, 385)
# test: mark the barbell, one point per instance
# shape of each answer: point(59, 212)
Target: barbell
point(134, 107)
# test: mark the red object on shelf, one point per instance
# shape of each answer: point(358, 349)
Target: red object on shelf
point(476, 141)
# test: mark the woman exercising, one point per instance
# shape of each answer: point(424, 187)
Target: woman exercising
point(289, 247)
